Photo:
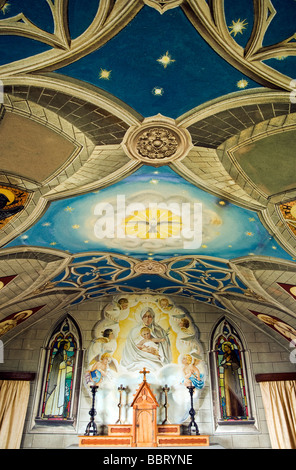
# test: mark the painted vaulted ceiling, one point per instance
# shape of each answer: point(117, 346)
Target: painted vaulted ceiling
point(148, 146)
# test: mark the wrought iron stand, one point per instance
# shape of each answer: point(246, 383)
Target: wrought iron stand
point(92, 427)
point(192, 428)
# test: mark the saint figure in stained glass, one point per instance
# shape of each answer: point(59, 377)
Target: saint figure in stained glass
point(233, 394)
point(232, 390)
point(58, 391)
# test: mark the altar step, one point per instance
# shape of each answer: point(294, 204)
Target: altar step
point(120, 435)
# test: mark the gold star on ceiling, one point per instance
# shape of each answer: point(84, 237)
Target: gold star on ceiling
point(165, 60)
point(157, 91)
point(242, 83)
point(105, 74)
point(69, 209)
point(237, 27)
point(4, 6)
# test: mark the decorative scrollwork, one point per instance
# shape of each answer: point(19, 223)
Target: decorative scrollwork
point(150, 267)
point(192, 276)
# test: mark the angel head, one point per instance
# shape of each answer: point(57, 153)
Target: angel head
point(107, 333)
point(105, 358)
point(184, 323)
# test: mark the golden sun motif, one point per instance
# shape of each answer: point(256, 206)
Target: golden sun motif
point(237, 27)
point(165, 60)
point(153, 224)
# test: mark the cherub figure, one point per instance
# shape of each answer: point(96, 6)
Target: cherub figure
point(99, 369)
point(192, 375)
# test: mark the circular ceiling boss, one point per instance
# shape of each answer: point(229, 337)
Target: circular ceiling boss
point(157, 141)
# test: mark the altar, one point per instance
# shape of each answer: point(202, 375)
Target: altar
point(144, 430)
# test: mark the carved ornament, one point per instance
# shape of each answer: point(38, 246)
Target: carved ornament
point(157, 141)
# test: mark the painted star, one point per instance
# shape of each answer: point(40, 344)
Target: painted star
point(76, 226)
point(165, 60)
point(4, 7)
point(69, 209)
point(237, 27)
point(105, 74)
point(157, 91)
point(242, 83)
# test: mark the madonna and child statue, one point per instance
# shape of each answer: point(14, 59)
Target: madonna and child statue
point(144, 331)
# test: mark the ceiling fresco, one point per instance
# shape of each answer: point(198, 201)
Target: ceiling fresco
point(91, 222)
point(147, 146)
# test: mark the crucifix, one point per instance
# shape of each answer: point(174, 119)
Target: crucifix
point(120, 389)
point(166, 389)
point(144, 372)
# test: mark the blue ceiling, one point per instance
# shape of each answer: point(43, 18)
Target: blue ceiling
point(132, 56)
point(229, 231)
point(195, 76)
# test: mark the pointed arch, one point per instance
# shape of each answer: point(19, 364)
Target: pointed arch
point(61, 377)
point(233, 402)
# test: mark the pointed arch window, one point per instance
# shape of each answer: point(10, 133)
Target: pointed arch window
point(62, 366)
point(230, 370)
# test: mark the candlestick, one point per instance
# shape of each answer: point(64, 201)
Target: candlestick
point(92, 427)
point(192, 424)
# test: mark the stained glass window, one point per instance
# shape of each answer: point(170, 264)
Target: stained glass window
point(58, 392)
point(233, 400)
